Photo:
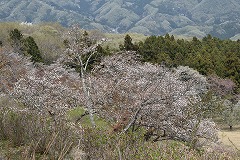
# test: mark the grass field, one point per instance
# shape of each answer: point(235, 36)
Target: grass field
point(116, 39)
point(230, 138)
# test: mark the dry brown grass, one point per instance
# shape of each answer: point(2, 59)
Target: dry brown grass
point(230, 138)
point(116, 39)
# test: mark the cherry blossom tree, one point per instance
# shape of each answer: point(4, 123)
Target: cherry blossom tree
point(231, 113)
point(80, 49)
point(48, 89)
point(13, 66)
point(229, 99)
point(221, 87)
point(152, 96)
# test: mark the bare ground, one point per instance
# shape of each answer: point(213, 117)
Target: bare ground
point(230, 138)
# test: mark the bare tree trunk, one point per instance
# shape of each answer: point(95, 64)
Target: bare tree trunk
point(133, 120)
point(88, 100)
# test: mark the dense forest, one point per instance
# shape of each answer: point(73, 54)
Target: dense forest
point(68, 93)
point(209, 56)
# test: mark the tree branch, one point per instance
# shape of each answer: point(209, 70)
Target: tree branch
point(133, 120)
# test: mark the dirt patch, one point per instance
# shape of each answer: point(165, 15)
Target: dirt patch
point(230, 138)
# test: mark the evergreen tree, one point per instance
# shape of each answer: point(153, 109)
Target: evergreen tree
point(172, 38)
point(16, 40)
point(167, 36)
point(209, 55)
point(86, 39)
point(66, 43)
point(128, 45)
point(31, 49)
point(148, 49)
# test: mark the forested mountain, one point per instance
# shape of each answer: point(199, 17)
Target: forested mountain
point(185, 17)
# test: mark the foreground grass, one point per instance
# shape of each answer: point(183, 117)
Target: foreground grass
point(75, 114)
point(27, 135)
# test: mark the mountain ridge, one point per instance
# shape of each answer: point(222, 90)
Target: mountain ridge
point(186, 17)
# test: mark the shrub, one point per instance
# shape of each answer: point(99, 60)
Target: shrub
point(47, 136)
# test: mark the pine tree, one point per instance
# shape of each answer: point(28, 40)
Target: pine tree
point(16, 40)
point(31, 49)
point(128, 45)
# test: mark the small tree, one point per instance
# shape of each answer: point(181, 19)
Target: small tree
point(13, 66)
point(128, 45)
point(26, 46)
point(48, 89)
point(16, 40)
point(32, 49)
point(80, 49)
point(221, 87)
point(231, 113)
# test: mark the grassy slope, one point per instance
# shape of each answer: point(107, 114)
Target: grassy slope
point(116, 39)
point(76, 113)
point(224, 133)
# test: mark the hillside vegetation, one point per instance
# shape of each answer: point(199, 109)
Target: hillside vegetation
point(210, 56)
point(68, 93)
point(219, 18)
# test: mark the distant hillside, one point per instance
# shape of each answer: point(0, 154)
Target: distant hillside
point(220, 18)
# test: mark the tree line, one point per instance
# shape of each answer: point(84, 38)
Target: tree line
point(209, 56)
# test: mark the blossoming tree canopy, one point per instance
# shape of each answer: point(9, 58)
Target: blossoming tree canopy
point(162, 97)
point(48, 88)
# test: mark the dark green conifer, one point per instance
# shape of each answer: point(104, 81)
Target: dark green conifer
point(128, 45)
point(32, 49)
point(16, 40)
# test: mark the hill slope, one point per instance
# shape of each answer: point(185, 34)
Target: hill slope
point(186, 17)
